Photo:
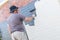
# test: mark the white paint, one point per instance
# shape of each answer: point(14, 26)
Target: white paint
point(47, 22)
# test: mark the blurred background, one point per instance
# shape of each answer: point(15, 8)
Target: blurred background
point(47, 22)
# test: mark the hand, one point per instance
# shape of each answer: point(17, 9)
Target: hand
point(33, 16)
point(28, 19)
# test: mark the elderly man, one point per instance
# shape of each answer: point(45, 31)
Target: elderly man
point(16, 27)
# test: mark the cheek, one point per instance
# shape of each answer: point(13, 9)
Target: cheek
point(15, 11)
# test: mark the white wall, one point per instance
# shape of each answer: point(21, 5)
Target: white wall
point(47, 22)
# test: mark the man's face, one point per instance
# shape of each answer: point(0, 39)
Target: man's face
point(16, 11)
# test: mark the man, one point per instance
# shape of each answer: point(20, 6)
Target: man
point(15, 24)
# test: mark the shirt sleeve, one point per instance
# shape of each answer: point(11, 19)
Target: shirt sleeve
point(22, 16)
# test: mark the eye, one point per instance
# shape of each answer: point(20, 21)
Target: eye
point(2, 2)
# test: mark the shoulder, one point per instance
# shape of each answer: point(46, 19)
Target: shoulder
point(21, 15)
point(8, 18)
